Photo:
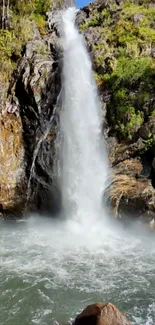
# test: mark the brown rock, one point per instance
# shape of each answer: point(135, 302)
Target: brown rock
point(101, 314)
point(12, 172)
point(130, 167)
point(129, 196)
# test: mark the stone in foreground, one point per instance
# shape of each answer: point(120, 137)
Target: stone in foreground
point(101, 314)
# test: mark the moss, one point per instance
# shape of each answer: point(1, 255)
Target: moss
point(40, 23)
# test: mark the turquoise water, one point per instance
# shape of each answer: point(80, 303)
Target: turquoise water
point(51, 270)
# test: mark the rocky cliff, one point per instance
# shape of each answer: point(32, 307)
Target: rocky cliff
point(121, 39)
point(29, 91)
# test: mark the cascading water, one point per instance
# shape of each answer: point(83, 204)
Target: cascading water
point(84, 159)
point(50, 270)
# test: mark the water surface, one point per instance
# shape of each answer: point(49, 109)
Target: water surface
point(51, 270)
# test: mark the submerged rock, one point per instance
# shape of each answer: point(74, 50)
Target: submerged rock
point(101, 314)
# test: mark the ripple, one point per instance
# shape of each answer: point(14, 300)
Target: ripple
point(52, 270)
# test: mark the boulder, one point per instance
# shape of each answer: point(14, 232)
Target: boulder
point(131, 197)
point(101, 314)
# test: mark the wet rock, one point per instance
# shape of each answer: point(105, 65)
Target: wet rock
point(55, 15)
point(112, 145)
point(153, 173)
point(148, 217)
point(36, 91)
point(101, 314)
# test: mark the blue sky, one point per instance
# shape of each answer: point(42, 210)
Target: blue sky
point(81, 3)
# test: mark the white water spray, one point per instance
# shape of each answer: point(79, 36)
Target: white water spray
point(84, 158)
point(49, 269)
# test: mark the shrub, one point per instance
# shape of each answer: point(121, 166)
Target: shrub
point(40, 23)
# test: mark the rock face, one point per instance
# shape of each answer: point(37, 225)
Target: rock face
point(101, 314)
point(28, 120)
point(12, 161)
point(63, 4)
point(28, 129)
point(123, 61)
point(36, 90)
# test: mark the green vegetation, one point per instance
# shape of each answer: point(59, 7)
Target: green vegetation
point(132, 84)
point(40, 23)
point(23, 7)
point(125, 63)
point(24, 15)
point(11, 44)
point(124, 55)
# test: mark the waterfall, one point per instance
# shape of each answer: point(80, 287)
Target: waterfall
point(84, 159)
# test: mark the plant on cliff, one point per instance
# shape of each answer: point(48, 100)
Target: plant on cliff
point(18, 28)
point(11, 44)
point(124, 57)
point(30, 6)
point(131, 82)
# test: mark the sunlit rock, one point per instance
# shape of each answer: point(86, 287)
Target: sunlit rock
point(101, 314)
